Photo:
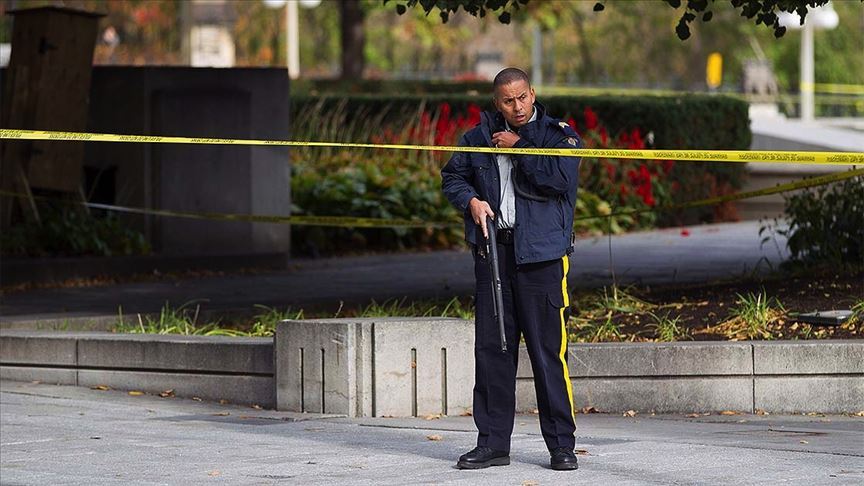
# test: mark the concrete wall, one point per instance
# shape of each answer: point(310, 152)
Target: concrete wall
point(197, 102)
point(375, 367)
point(424, 366)
point(239, 370)
point(379, 367)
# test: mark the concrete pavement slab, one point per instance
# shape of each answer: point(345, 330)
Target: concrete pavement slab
point(699, 254)
point(72, 435)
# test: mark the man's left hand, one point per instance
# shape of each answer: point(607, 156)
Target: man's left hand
point(504, 139)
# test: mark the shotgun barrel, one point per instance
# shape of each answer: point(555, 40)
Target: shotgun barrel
point(497, 298)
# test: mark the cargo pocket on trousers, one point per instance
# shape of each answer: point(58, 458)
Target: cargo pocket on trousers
point(556, 300)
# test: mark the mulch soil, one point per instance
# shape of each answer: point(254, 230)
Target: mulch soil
point(706, 312)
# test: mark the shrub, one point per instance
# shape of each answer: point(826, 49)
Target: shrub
point(826, 224)
point(406, 184)
point(72, 231)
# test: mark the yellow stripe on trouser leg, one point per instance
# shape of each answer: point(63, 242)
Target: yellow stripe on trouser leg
point(566, 261)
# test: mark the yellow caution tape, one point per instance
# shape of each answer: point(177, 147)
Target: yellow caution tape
point(856, 89)
point(356, 222)
point(782, 157)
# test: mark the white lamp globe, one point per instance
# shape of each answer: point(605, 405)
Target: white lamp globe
point(824, 17)
point(827, 18)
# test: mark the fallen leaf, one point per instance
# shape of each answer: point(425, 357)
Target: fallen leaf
point(859, 414)
point(685, 232)
point(535, 411)
point(803, 441)
point(434, 416)
point(530, 482)
point(220, 414)
point(468, 413)
point(729, 412)
point(759, 411)
point(136, 393)
point(590, 410)
point(167, 394)
point(100, 387)
point(223, 402)
point(630, 413)
point(693, 415)
point(197, 399)
point(581, 452)
point(256, 406)
point(435, 437)
point(214, 473)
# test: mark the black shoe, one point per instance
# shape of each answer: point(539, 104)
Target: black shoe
point(563, 459)
point(483, 457)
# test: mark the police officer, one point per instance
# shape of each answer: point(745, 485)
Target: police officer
point(530, 199)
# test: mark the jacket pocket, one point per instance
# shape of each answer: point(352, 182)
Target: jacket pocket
point(480, 162)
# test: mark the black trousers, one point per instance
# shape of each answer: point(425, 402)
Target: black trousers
point(535, 296)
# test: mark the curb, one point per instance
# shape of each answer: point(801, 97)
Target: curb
point(421, 366)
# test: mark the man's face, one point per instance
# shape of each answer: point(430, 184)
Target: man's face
point(516, 102)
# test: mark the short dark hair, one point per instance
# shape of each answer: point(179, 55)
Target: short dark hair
point(509, 75)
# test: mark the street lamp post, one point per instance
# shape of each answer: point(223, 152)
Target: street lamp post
point(292, 30)
point(824, 17)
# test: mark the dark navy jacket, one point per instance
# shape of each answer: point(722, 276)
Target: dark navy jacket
point(544, 210)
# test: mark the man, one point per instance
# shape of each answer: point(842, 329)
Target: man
point(530, 199)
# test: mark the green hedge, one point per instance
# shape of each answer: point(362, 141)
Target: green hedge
point(688, 122)
point(370, 86)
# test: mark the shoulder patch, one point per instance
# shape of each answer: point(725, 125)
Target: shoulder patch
point(567, 129)
point(572, 141)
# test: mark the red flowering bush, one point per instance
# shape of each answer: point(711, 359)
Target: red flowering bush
point(406, 184)
point(624, 184)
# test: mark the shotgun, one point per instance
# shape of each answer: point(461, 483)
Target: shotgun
point(497, 298)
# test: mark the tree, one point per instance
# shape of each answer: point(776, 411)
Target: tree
point(353, 39)
point(759, 11)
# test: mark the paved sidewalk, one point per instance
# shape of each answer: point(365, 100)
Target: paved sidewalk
point(55, 435)
point(695, 254)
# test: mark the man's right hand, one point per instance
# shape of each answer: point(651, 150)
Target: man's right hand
point(479, 211)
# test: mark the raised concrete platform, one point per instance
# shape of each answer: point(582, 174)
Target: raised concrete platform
point(375, 367)
point(415, 367)
point(239, 370)
point(789, 134)
point(397, 367)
